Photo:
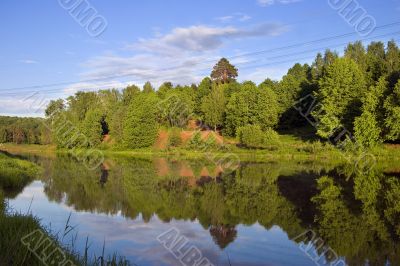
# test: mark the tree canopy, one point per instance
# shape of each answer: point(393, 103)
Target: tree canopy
point(224, 72)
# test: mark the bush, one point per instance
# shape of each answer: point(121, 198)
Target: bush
point(174, 139)
point(252, 136)
point(195, 142)
point(271, 137)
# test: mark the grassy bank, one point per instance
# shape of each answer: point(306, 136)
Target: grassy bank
point(15, 173)
point(23, 240)
point(290, 148)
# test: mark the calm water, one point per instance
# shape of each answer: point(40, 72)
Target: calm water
point(260, 214)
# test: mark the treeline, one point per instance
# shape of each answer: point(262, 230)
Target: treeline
point(24, 130)
point(359, 92)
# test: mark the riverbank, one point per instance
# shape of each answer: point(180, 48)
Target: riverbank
point(23, 239)
point(300, 152)
point(291, 148)
point(21, 235)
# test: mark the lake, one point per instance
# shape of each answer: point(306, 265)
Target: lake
point(173, 212)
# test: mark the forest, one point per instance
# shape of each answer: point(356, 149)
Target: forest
point(24, 130)
point(358, 91)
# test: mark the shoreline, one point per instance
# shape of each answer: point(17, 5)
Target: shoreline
point(303, 154)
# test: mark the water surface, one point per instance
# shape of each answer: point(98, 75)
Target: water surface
point(260, 214)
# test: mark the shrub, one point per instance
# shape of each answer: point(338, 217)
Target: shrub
point(174, 139)
point(211, 142)
point(271, 137)
point(252, 136)
point(195, 142)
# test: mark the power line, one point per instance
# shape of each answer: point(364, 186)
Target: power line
point(65, 83)
point(246, 67)
point(307, 43)
point(325, 48)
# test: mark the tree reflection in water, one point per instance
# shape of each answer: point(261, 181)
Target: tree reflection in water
point(104, 174)
point(358, 216)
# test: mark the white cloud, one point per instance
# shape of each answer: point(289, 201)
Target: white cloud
point(238, 16)
point(184, 55)
point(139, 68)
point(28, 61)
point(204, 38)
point(21, 106)
point(225, 18)
point(245, 17)
point(271, 2)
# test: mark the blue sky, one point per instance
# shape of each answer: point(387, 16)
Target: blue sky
point(43, 44)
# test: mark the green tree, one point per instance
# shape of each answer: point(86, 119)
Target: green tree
point(3, 135)
point(140, 126)
point(330, 57)
point(224, 72)
point(317, 68)
point(269, 83)
point(80, 103)
point(339, 96)
point(392, 57)
point(251, 105)
point(116, 124)
point(147, 87)
point(92, 127)
point(202, 91)
point(164, 89)
point(392, 107)
point(177, 108)
point(357, 52)
point(54, 107)
point(291, 88)
point(367, 129)
point(129, 93)
point(376, 64)
point(213, 107)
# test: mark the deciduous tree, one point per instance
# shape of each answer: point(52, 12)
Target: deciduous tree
point(213, 107)
point(341, 90)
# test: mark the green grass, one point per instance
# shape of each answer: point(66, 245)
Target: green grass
point(14, 227)
point(15, 174)
point(296, 146)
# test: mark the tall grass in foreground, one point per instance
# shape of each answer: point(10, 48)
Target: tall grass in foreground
point(13, 227)
point(14, 174)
